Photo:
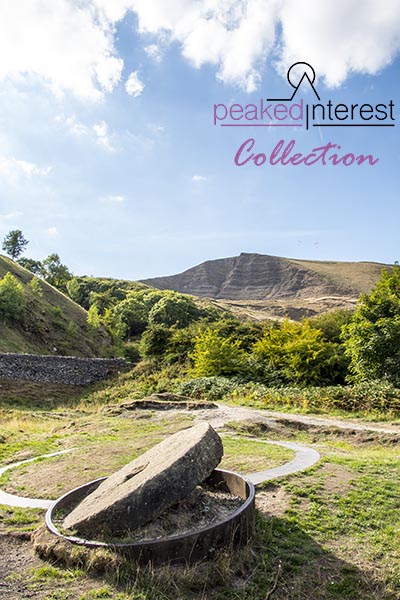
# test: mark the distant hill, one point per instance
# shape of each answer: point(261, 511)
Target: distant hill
point(52, 323)
point(261, 285)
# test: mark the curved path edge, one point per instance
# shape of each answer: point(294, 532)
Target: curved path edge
point(19, 501)
point(304, 458)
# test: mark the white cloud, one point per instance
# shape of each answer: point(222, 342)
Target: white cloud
point(102, 135)
point(66, 43)
point(69, 44)
point(12, 169)
point(52, 231)
point(117, 199)
point(199, 178)
point(99, 132)
point(73, 125)
point(133, 85)
point(338, 37)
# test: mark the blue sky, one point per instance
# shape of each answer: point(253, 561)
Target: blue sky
point(142, 184)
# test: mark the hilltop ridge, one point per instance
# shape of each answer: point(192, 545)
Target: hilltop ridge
point(274, 284)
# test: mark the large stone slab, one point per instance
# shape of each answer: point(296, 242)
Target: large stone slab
point(143, 489)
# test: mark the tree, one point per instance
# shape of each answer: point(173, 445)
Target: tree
point(93, 317)
point(34, 266)
point(216, 355)
point(300, 352)
point(14, 243)
point(372, 339)
point(154, 341)
point(12, 301)
point(174, 309)
point(55, 273)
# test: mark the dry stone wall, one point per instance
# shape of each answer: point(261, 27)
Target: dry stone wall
point(58, 369)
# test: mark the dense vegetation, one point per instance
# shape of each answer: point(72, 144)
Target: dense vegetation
point(168, 332)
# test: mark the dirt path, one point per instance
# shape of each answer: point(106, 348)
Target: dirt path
point(219, 417)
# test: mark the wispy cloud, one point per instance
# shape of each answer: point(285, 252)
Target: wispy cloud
point(73, 125)
point(99, 132)
point(104, 138)
point(199, 178)
point(13, 169)
point(52, 231)
point(112, 199)
point(154, 52)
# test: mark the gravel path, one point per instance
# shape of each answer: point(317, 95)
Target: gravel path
point(223, 414)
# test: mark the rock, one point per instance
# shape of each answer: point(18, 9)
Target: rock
point(154, 404)
point(143, 489)
point(170, 396)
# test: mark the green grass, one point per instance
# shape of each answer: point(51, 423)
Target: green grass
point(247, 456)
point(22, 520)
point(334, 535)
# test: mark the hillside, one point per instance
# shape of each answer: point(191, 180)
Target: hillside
point(261, 285)
point(52, 323)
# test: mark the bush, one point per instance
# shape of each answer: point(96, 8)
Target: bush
point(376, 397)
point(12, 299)
point(216, 355)
point(209, 388)
point(301, 354)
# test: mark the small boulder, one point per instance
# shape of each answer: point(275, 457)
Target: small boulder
point(144, 488)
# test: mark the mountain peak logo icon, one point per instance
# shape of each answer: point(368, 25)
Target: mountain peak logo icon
point(296, 82)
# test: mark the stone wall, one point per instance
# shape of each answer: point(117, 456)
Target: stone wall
point(58, 369)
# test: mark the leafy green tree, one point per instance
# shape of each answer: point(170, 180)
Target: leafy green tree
point(174, 309)
point(93, 317)
point(130, 317)
point(216, 355)
point(34, 266)
point(14, 243)
point(75, 291)
point(154, 341)
point(12, 300)
point(101, 300)
point(372, 339)
point(331, 324)
point(55, 273)
point(300, 352)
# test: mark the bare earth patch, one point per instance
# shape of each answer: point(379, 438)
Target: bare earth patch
point(272, 501)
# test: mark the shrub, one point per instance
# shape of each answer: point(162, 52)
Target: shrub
point(300, 352)
point(216, 355)
point(12, 300)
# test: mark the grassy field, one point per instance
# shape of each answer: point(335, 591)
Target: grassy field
point(329, 533)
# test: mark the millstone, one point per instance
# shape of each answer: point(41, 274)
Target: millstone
point(144, 488)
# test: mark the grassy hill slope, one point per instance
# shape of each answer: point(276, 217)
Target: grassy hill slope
point(52, 323)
